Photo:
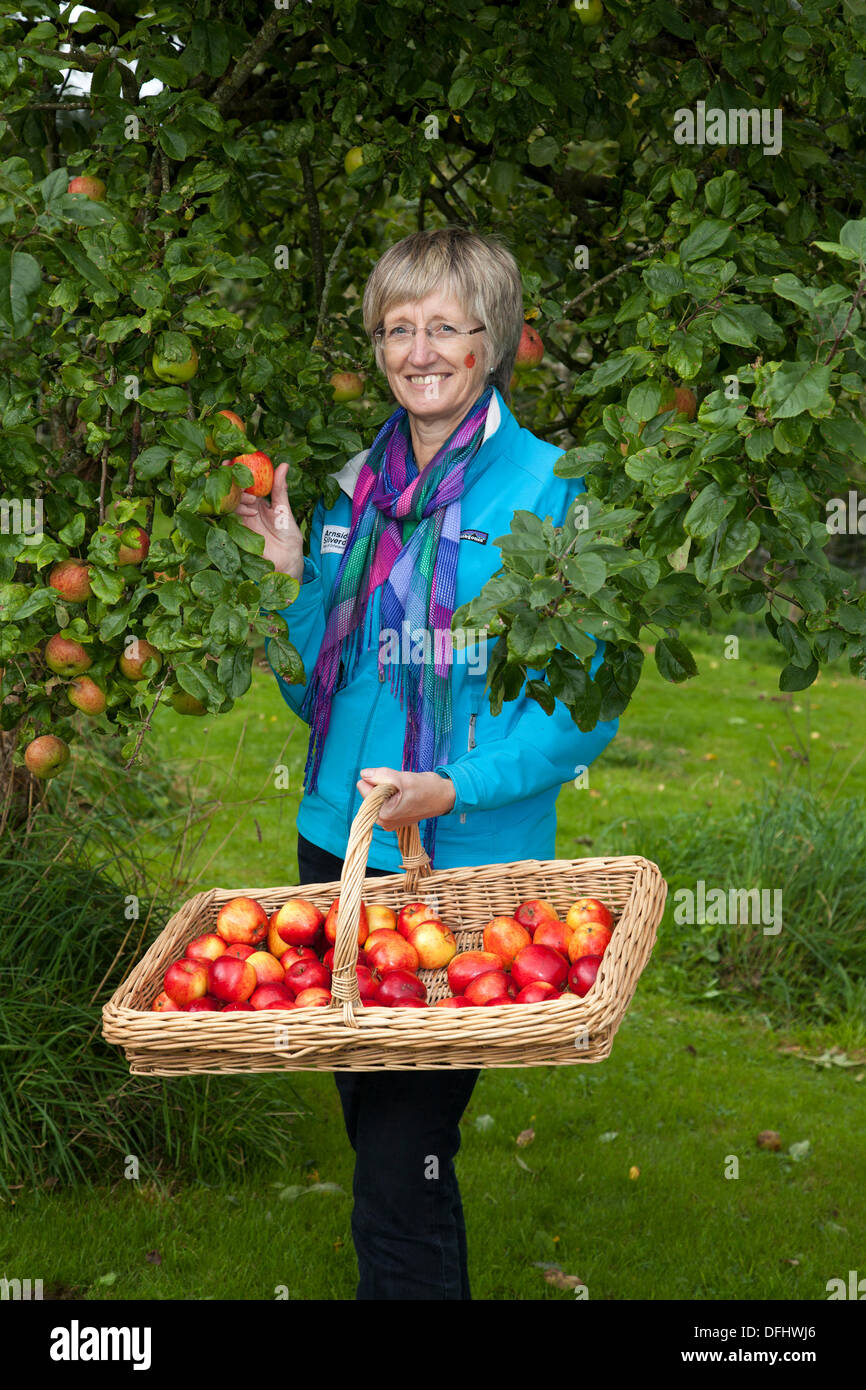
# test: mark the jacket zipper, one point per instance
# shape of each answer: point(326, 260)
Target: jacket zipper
point(374, 707)
point(469, 746)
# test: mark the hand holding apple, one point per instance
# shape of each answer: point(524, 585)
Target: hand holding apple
point(284, 544)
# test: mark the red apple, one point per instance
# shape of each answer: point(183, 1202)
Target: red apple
point(331, 924)
point(238, 951)
point(581, 976)
point(269, 971)
point(435, 944)
point(298, 922)
point(530, 349)
point(588, 910)
point(296, 953)
point(164, 1004)
point(469, 964)
point(210, 443)
point(207, 947)
point(266, 995)
point(308, 974)
point(348, 386)
point(411, 914)
point(91, 187)
point(313, 998)
point(496, 1001)
point(455, 1001)
point(588, 940)
point(409, 1003)
point(537, 992)
point(539, 963)
point(505, 937)
point(552, 933)
point(134, 545)
point(243, 1006)
point(386, 951)
point(231, 979)
point(71, 579)
point(242, 921)
point(380, 918)
point(367, 982)
point(486, 986)
point(206, 1005)
point(400, 984)
point(535, 910)
point(86, 695)
point(262, 470)
point(134, 657)
point(46, 756)
point(66, 657)
point(186, 980)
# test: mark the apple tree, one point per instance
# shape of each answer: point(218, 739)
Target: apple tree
point(192, 199)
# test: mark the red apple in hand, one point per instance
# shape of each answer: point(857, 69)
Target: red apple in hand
point(535, 963)
point(504, 936)
point(242, 921)
point(591, 939)
point(467, 965)
point(298, 922)
point(262, 470)
point(581, 976)
point(186, 980)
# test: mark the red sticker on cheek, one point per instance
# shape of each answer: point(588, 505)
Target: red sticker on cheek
point(469, 359)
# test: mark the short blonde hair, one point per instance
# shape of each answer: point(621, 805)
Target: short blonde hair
point(479, 271)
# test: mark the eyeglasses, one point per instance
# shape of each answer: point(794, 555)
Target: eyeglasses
point(398, 338)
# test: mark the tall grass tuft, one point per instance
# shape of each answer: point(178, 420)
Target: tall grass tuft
point(814, 967)
point(76, 915)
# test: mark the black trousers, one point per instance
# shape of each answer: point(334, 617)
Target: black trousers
point(404, 1126)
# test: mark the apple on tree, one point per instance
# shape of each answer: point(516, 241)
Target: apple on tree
point(66, 657)
point(91, 187)
point(86, 696)
point(46, 756)
point(348, 386)
point(530, 349)
point(71, 579)
point(262, 470)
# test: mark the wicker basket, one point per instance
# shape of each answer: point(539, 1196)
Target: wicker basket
point(350, 1037)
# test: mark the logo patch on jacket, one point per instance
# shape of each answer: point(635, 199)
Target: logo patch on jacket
point(334, 539)
point(470, 535)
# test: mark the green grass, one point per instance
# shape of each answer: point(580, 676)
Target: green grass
point(685, 1092)
point(717, 779)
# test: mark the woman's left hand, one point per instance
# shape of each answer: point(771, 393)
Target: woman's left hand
point(420, 795)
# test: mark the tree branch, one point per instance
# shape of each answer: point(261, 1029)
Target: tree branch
point(335, 258)
point(317, 251)
point(266, 36)
point(858, 295)
point(584, 294)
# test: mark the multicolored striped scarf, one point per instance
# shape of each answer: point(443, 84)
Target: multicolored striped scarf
point(405, 536)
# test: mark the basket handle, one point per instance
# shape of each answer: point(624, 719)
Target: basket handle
point(344, 981)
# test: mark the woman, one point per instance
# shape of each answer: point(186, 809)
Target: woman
point(410, 538)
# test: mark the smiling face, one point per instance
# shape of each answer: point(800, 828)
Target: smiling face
point(431, 379)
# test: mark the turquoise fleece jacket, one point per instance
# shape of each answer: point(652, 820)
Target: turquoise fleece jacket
point(507, 771)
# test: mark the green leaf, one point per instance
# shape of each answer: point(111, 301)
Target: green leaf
point(234, 672)
point(707, 236)
point(742, 325)
point(796, 387)
point(223, 551)
point(20, 282)
point(210, 585)
point(151, 462)
point(278, 591)
point(793, 677)
point(164, 398)
point(684, 354)
point(674, 660)
point(644, 401)
point(106, 584)
point(707, 511)
point(461, 92)
point(530, 640)
point(544, 151)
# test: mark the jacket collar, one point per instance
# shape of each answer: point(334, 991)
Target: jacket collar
point(498, 417)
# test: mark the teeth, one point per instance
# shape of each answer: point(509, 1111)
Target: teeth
point(427, 380)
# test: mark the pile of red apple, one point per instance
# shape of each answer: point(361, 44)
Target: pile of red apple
point(252, 961)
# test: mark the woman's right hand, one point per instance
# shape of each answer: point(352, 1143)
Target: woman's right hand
point(284, 544)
